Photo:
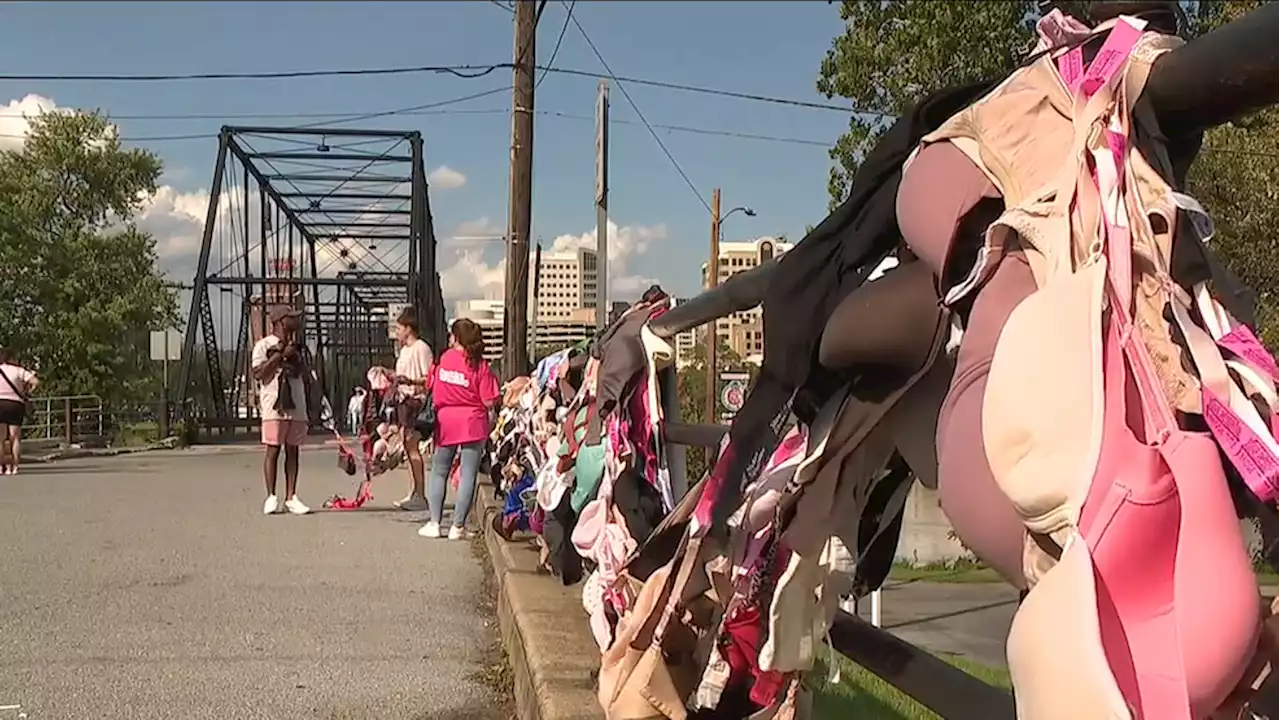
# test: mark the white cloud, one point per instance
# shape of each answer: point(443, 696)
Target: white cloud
point(446, 178)
point(471, 276)
point(476, 233)
point(176, 220)
point(16, 117)
point(173, 217)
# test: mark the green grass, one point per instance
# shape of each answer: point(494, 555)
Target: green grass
point(958, 571)
point(136, 434)
point(859, 694)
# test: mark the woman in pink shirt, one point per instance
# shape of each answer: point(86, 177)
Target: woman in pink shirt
point(465, 392)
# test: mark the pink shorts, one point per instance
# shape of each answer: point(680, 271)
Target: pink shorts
point(283, 432)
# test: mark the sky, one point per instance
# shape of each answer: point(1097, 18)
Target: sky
point(659, 229)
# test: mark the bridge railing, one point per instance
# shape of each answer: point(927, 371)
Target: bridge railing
point(64, 419)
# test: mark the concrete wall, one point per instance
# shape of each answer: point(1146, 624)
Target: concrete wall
point(925, 539)
point(925, 529)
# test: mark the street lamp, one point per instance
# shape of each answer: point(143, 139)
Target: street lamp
point(713, 279)
point(742, 209)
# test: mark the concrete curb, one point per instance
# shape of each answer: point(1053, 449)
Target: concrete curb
point(544, 630)
point(72, 453)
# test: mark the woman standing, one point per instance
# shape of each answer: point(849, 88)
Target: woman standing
point(413, 366)
point(465, 393)
point(16, 384)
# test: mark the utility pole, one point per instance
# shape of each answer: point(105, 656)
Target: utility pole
point(515, 355)
point(713, 279)
point(533, 303)
point(602, 205)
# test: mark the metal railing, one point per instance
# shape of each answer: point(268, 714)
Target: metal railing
point(65, 419)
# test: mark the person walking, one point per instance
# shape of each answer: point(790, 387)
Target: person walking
point(465, 393)
point(355, 411)
point(16, 385)
point(280, 369)
point(413, 365)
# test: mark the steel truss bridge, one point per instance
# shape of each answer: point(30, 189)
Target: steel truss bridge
point(334, 222)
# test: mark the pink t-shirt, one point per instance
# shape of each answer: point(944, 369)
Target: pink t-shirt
point(462, 394)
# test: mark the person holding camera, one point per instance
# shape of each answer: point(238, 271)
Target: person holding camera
point(280, 369)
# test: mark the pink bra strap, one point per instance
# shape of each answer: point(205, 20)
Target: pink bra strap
point(1118, 247)
point(1106, 63)
point(1243, 343)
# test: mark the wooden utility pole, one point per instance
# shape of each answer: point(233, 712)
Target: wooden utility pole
point(515, 351)
point(713, 279)
point(602, 205)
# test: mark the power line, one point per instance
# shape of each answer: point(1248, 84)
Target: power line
point(546, 113)
point(462, 71)
point(268, 115)
point(639, 114)
point(699, 131)
point(404, 110)
point(568, 15)
point(724, 93)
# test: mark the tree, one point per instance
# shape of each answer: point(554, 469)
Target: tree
point(79, 286)
point(692, 382)
point(1235, 178)
point(893, 53)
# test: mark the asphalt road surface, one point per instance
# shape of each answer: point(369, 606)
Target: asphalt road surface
point(151, 586)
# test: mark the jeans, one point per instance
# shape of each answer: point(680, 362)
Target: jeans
point(441, 464)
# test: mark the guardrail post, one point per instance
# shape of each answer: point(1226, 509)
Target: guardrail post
point(164, 418)
point(66, 419)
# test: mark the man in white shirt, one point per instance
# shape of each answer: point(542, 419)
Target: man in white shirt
point(279, 368)
point(355, 411)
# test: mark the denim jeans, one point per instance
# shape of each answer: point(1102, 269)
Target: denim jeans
point(441, 464)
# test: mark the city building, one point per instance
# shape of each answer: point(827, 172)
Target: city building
point(685, 342)
point(568, 282)
point(489, 315)
point(743, 331)
point(573, 327)
point(616, 308)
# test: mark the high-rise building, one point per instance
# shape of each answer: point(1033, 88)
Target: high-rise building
point(684, 342)
point(568, 282)
point(743, 331)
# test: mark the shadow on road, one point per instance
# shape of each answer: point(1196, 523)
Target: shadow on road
point(948, 615)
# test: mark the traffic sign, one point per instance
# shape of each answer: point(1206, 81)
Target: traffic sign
point(166, 345)
point(734, 392)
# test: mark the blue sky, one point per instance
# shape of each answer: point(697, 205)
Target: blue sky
point(767, 48)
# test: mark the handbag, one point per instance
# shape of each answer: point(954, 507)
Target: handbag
point(425, 422)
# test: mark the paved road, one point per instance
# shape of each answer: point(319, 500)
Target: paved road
point(151, 586)
point(970, 620)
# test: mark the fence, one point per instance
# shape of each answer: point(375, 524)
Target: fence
point(65, 419)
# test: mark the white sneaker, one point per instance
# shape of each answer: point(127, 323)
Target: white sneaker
point(456, 533)
point(295, 506)
point(430, 530)
point(271, 506)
